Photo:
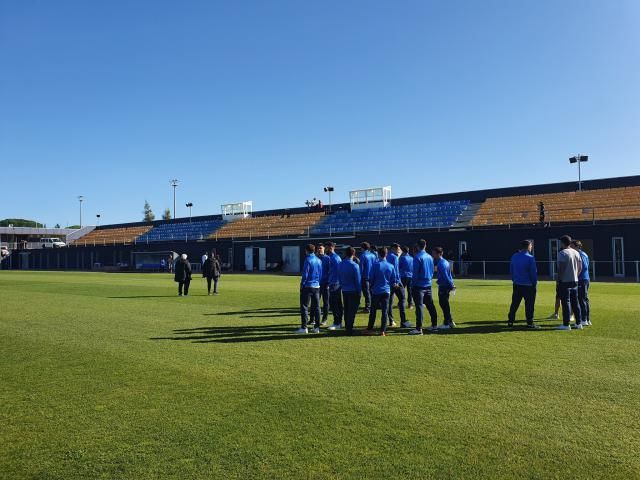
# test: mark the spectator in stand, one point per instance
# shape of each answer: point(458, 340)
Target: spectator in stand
point(183, 275)
point(351, 285)
point(524, 276)
point(366, 262)
point(324, 283)
point(406, 273)
point(382, 277)
point(310, 290)
point(583, 284)
point(211, 270)
point(569, 269)
point(445, 285)
point(170, 263)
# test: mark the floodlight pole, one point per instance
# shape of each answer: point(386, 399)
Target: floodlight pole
point(80, 199)
point(190, 205)
point(174, 183)
point(579, 159)
point(329, 189)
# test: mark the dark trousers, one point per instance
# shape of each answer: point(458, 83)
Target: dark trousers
point(184, 286)
point(351, 302)
point(402, 300)
point(335, 302)
point(215, 284)
point(528, 293)
point(379, 302)
point(406, 282)
point(309, 295)
point(366, 292)
point(583, 299)
point(324, 295)
point(443, 300)
point(423, 296)
point(569, 300)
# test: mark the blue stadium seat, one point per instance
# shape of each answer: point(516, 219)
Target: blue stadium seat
point(402, 217)
point(183, 231)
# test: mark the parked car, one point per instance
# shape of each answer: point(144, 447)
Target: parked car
point(52, 242)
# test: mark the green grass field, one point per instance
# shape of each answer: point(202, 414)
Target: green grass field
point(113, 376)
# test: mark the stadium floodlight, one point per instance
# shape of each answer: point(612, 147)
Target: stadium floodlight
point(174, 183)
point(579, 159)
point(329, 189)
point(98, 219)
point(189, 206)
point(80, 199)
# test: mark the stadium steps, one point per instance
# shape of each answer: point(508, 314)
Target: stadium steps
point(78, 234)
point(464, 220)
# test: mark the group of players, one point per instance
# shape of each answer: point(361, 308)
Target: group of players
point(380, 274)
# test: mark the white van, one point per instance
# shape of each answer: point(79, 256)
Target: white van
point(52, 242)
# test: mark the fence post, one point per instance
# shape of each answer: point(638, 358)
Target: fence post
point(594, 270)
point(637, 271)
point(484, 270)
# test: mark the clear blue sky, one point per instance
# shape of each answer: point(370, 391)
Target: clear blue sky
point(271, 100)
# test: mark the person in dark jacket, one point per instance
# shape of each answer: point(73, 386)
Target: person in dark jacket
point(211, 271)
point(183, 274)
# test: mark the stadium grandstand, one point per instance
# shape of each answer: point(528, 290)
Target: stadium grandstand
point(476, 225)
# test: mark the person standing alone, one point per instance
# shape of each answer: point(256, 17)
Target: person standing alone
point(524, 275)
point(211, 271)
point(445, 285)
point(183, 275)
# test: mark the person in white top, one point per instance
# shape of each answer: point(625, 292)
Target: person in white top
point(569, 268)
point(204, 259)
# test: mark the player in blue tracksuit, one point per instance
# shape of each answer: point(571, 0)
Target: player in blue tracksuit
point(524, 276)
point(324, 283)
point(445, 285)
point(397, 289)
point(351, 285)
point(422, 295)
point(335, 294)
point(366, 262)
point(310, 290)
point(583, 283)
point(406, 273)
point(382, 278)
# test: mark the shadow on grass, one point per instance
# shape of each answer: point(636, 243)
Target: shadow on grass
point(285, 331)
point(150, 296)
point(258, 333)
point(261, 313)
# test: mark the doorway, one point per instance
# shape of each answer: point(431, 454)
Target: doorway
point(617, 246)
